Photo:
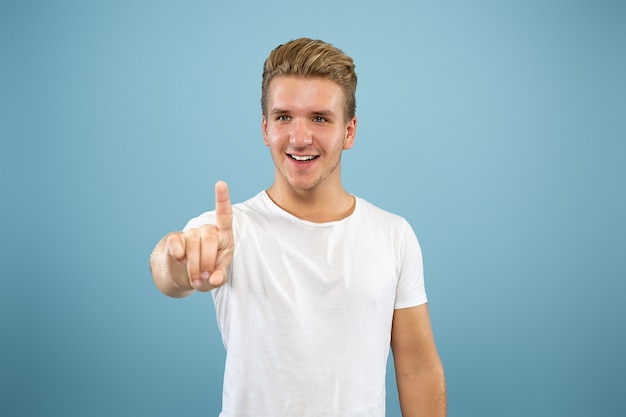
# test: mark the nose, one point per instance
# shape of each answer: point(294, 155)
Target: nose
point(300, 134)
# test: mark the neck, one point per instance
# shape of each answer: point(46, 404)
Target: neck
point(318, 206)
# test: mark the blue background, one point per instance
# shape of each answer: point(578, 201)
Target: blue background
point(498, 129)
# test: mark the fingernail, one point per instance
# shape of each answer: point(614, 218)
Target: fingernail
point(196, 283)
point(204, 275)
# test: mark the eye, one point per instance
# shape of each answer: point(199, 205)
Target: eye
point(319, 119)
point(283, 118)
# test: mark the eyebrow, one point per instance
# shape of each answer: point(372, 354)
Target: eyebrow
point(323, 113)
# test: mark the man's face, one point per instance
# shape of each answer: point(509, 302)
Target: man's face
point(306, 131)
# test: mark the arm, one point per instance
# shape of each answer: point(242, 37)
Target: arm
point(196, 259)
point(419, 372)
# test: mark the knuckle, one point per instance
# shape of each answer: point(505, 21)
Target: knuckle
point(174, 246)
point(208, 234)
point(191, 234)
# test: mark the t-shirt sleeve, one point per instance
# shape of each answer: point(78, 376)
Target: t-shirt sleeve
point(205, 218)
point(410, 291)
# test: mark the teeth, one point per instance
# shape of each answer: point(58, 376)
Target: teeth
point(302, 158)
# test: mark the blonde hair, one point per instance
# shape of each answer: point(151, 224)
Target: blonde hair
point(311, 58)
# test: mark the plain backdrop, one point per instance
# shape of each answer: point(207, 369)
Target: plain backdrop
point(497, 128)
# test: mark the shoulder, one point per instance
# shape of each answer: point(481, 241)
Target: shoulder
point(370, 212)
point(387, 226)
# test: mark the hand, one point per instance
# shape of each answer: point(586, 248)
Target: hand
point(208, 250)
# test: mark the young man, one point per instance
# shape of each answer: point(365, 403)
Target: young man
point(311, 284)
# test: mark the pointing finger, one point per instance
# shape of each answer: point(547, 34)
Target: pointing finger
point(223, 208)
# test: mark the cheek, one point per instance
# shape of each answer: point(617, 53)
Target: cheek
point(272, 139)
point(274, 135)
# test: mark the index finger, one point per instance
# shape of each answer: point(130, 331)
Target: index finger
point(223, 208)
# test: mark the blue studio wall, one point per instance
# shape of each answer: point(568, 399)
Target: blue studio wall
point(498, 129)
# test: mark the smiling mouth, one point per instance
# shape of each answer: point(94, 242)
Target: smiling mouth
point(303, 158)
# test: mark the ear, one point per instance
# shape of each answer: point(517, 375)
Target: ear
point(350, 134)
point(264, 128)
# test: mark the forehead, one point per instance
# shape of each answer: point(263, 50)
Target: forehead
point(287, 92)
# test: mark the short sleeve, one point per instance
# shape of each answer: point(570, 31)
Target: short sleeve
point(205, 218)
point(410, 291)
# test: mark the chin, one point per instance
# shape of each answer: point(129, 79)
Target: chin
point(303, 185)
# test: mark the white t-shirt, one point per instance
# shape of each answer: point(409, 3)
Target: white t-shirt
point(306, 312)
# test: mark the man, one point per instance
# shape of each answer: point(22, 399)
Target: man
point(311, 284)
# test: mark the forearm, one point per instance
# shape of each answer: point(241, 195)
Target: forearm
point(423, 392)
point(169, 276)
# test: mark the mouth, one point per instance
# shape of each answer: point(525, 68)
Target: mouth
point(303, 158)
